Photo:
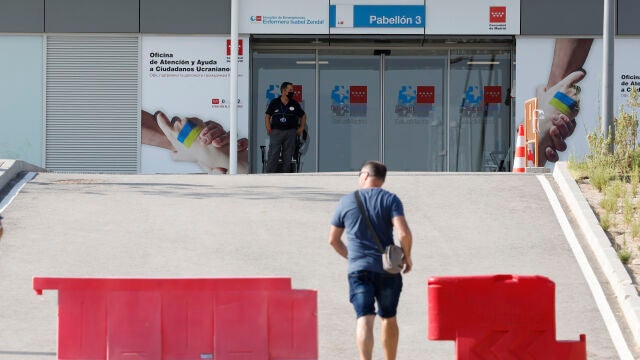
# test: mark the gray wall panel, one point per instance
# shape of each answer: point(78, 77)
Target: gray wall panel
point(22, 16)
point(92, 16)
point(92, 111)
point(185, 16)
point(561, 17)
point(628, 17)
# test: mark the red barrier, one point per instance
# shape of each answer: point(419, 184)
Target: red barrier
point(498, 317)
point(226, 318)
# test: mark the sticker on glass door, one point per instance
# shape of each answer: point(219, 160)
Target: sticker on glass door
point(349, 102)
point(415, 101)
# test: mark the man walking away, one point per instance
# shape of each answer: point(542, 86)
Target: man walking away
point(368, 282)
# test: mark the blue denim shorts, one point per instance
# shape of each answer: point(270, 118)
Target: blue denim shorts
point(367, 287)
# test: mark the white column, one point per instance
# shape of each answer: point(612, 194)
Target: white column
point(233, 95)
point(608, 46)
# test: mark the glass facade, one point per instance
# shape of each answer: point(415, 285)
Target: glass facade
point(438, 109)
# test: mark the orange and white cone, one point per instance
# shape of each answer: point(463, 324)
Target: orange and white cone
point(519, 156)
point(530, 158)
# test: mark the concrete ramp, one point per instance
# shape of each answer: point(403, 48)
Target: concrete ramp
point(277, 225)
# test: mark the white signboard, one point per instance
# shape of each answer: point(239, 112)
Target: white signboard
point(534, 59)
point(284, 17)
point(376, 17)
point(473, 17)
point(626, 71)
point(433, 17)
point(189, 77)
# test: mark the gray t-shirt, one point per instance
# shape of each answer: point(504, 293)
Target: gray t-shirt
point(381, 206)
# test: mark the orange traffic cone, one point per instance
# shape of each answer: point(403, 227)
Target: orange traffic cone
point(530, 159)
point(519, 156)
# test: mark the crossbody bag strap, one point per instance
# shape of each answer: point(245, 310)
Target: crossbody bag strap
point(363, 211)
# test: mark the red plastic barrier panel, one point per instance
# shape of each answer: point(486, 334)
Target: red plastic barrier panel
point(498, 317)
point(243, 318)
point(155, 284)
point(293, 325)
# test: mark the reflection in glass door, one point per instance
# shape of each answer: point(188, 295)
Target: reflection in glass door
point(414, 111)
point(349, 110)
point(479, 114)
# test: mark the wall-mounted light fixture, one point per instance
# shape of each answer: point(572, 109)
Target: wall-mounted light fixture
point(310, 62)
point(483, 62)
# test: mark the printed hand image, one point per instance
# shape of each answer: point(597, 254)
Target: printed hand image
point(559, 99)
point(560, 105)
point(203, 142)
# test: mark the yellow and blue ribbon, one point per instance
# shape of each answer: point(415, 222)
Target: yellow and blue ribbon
point(189, 133)
point(563, 103)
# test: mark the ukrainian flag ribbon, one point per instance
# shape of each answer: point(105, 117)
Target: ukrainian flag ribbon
point(563, 103)
point(189, 133)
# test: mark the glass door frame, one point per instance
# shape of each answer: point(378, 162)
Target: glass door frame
point(421, 76)
point(417, 50)
point(489, 107)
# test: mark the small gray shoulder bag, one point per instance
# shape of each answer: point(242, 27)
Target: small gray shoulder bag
point(392, 255)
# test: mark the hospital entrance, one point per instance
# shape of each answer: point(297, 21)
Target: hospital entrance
point(416, 109)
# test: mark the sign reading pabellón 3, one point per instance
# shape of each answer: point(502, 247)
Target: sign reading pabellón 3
point(376, 17)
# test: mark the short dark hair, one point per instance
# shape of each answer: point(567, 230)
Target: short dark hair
point(376, 169)
point(284, 85)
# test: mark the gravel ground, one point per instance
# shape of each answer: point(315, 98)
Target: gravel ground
point(618, 232)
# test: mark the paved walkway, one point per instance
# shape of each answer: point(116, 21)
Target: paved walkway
point(208, 226)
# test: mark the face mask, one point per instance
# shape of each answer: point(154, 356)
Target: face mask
point(290, 95)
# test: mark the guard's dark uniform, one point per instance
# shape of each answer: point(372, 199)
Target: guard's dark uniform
point(285, 120)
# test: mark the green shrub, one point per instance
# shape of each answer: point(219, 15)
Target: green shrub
point(609, 203)
point(634, 181)
point(578, 169)
point(605, 221)
point(626, 133)
point(599, 159)
point(613, 162)
point(635, 229)
point(599, 177)
point(624, 255)
point(628, 210)
point(616, 189)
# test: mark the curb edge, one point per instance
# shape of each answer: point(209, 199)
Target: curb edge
point(614, 271)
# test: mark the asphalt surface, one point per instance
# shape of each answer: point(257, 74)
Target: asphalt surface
point(81, 225)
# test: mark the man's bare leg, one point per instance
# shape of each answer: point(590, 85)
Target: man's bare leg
point(364, 336)
point(390, 334)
